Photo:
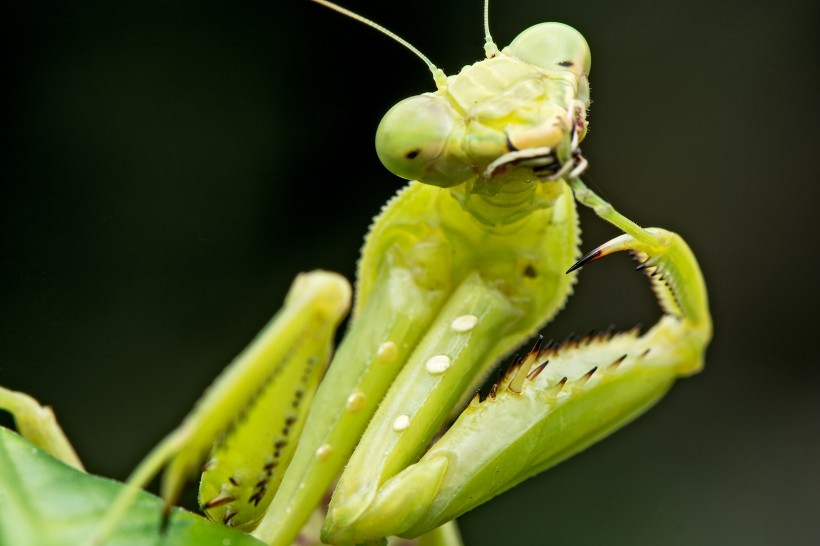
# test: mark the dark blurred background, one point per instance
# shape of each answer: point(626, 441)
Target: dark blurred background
point(170, 166)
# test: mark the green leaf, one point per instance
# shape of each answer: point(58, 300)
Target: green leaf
point(43, 502)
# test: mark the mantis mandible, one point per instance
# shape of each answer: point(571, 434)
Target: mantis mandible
point(462, 266)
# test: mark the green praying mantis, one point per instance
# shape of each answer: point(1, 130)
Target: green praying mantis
point(462, 266)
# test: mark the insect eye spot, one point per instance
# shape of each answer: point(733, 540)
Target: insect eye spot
point(565, 64)
point(412, 154)
point(530, 271)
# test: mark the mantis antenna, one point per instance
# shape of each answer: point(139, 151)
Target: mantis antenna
point(490, 49)
point(438, 74)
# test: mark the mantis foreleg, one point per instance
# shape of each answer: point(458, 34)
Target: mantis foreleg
point(366, 362)
point(548, 406)
point(441, 368)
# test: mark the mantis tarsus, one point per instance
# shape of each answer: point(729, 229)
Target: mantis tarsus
point(460, 268)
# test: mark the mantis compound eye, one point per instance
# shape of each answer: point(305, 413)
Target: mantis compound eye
point(418, 139)
point(553, 46)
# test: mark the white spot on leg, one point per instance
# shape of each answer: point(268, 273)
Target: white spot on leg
point(355, 401)
point(323, 453)
point(401, 423)
point(464, 323)
point(438, 364)
point(387, 352)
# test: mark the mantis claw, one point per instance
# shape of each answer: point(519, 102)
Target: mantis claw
point(618, 244)
point(672, 269)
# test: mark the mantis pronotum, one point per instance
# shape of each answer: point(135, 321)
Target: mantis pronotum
point(461, 267)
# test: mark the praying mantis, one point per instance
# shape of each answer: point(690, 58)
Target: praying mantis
point(465, 264)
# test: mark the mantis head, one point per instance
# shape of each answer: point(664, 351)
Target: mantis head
point(450, 136)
